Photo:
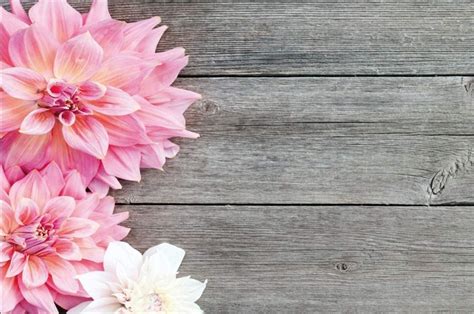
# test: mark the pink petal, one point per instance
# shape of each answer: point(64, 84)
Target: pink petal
point(122, 71)
point(8, 222)
point(115, 102)
point(35, 272)
point(86, 205)
point(123, 162)
point(22, 83)
point(124, 130)
point(87, 135)
point(78, 228)
point(157, 116)
point(4, 182)
point(86, 266)
point(175, 99)
point(99, 186)
point(67, 302)
point(61, 206)
point(153, 156)
point(149, 43)
point(160, 79)
point(19, 11)
point(11, 22)
point(14, 174)
point(23, 150)
point(12, 115)
point(6, 250)
point(54, 176)
point(37, 122)
point(68, 158)
point(17, 264)
point(4, 196)
point(58, 17)
point(62, 273)
point(26, 211)
point(34, 48)
point(167, 72)
point(74, 185)
point(33, 186)
point(39, 297)
point(91, 91)
point(171, 149)
point(78, 59)
point(106, 206)
point(158, 134)
point(67, 118)
point(90, 251)
point(11, 295)
point(110, 230)
point(68, 250)
point(109, 35)
point(102, 182)
point(99, 11)
point(135, 32)
point(4, 39)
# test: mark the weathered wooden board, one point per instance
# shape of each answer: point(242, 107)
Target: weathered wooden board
point(313, 37)
point(274, 259)
point(303, 140)
point(321, 140)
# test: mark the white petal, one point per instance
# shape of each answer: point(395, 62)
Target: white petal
point(172, 254)
point(186, 308)
point(97, 284)
point(104, 305)
point(187, 289)
point(79, 308)
point(122, 253)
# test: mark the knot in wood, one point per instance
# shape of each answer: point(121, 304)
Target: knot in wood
point(209, 107)
point(345, 267)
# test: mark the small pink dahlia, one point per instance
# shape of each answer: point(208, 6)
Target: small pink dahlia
point(51, 230)
point(88, 92)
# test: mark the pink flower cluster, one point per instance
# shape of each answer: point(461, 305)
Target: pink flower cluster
point(51, 230)
point(84, 101)
point(88, 92)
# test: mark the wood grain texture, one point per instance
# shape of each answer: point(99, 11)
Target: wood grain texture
point(321, 140)
point(286, 259)
point(313, 37)
point(344, 141)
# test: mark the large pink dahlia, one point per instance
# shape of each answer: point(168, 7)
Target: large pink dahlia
point(88, 92)
point(51, 230)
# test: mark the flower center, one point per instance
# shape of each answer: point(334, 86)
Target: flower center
point(34, 238)
point(155, 303)
point(42, 231)
point(124, 298)
point(150, 303)
point(63, 101)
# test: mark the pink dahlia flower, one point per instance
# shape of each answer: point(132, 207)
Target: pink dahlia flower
point(51, 230)
point(88, 92)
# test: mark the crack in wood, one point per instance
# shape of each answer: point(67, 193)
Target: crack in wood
point(442, 177)
point(468, 83)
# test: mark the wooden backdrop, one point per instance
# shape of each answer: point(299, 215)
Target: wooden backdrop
point(335, 171)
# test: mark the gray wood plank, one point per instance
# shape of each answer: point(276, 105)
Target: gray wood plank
point(313, 37)
point(319, 259)
point(321, 140)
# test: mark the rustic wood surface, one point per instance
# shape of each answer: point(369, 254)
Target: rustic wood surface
point(320, 141)
point(312, 189)
point(313, 37)
point(307, 259)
